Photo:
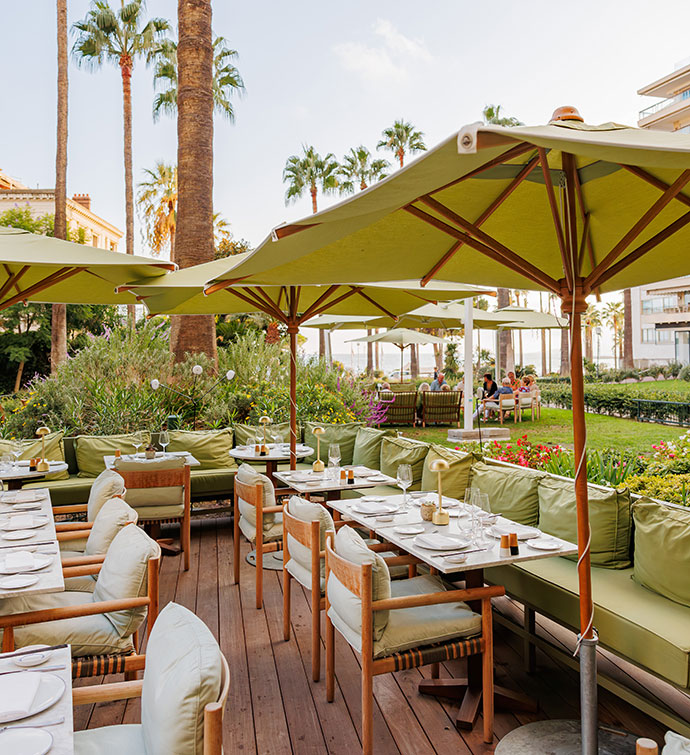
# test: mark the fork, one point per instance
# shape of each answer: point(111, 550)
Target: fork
point(36, 725)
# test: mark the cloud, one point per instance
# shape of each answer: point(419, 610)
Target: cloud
point(392, 58)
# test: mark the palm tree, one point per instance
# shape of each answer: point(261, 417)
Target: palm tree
point(402, 139)
point(157, 199)
point(505, 339)
point(194, 232)
point(226, 78)
point(614, 317)
point(520, 295)
point(492, 114)
point(58, 327)
point(628, 362)
point(310, 172)
point(357, 167)
point(590, 320)
point(120, 37)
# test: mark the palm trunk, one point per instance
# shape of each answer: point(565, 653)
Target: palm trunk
point(370, 355)
point(543, 339)
point(589, 351)
point(312, 191)
point(322, 343)
point(126, 73)
point(565, 351)
point(522, 361)
point(194, 232)
point(401, 156)
point(414, 363)
point(628, 362)
point(18, 379)
point(377, 354)
point(503, 300)
point(58, 325)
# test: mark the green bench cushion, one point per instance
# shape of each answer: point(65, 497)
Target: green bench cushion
point(512, 492)
point(246, 434)
point(397, 451)
point(72, 491)
point(211, 448)
point(32, 447)
point(209, 482)
point(90, 450)
point(367, 450)
point(344, 434)
point(632, 621)
point(456, 479)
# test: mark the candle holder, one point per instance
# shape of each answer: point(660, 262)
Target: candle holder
point(43, 465)
point(318, 465)
point(440, 516)
point(263, 421)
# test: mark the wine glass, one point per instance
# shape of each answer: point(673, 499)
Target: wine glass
point(138, 441)
point(16, 452)
point(164, 440)
point(483, 514)
point(404, 480)
point(333, 459)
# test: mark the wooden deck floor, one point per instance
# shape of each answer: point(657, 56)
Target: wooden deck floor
point(274, 707)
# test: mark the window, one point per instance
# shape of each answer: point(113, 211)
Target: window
point(652, 335)
point(659, 304)
point(664, 336)
point(648, 335)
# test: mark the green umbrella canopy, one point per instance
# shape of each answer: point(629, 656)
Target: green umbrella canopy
point(45, 269)
point(485, 207)
point(400, 337)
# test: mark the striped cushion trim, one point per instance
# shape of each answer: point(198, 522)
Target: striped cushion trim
point(98, 665)
point(447, 651)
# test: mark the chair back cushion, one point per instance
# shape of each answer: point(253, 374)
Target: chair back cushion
point(246, 434)
point(397, 451)
point(345, 606)
point(153, 495)
point(456, 479)
point(107, 485)
point(211, 448)
point(249, 476)
point(183, 674)
point(367, 449)
point(113, 516)
point(32, 447)
point(609, 517)
point(90, 450)
point(124, 575)
point(512, 492)
point(307, 511)
point(342, 434)
point(662, 549)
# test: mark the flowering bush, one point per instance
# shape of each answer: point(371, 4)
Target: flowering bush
point(669, 487)
point(522, 452)
point(672, 457)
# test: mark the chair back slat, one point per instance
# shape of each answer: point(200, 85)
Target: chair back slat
point(300, 530)
point(156, 478)
point(351, 575)
point(251, 494)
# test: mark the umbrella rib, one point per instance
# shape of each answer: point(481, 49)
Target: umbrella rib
point(261, 295)
point(12, 280)
point(583, 216)
point(212, 288)
point(483, 243)
point(288, 230)
point(315, 305)
point(568, 163)
point(641, 250)
point(593, 278)
point(327, 305)
point(543, 159)
point(251, 301)
point(583, 242)
point(376, 304)
point(488, 212)
point(51, 280)
point(657, 183)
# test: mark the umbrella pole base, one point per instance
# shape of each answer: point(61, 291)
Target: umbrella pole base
point(272, 560)
point(562, 738)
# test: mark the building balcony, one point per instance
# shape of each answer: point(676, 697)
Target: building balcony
point(670, 114)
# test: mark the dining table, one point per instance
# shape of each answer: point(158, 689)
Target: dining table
point(50, 728)
point(44, 575)
point(160, 455)
point(20, 472)
point(278, 453)
point(329, 483)
point(461, 553)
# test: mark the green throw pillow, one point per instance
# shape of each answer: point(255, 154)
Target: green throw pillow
point(31, 448)
point(367, 451)
point(211, 448)
point(90, 450)
point(344, 435)
point(397, 451)
point(512, 492)
point(662, 549)
point(246, 434)
point(456, 479)
point(609, 516)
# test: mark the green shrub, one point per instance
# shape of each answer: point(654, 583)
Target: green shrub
point(674, 488)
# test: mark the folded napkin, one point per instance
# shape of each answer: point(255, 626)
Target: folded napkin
point(17, 693)
point(21, 521)
point(503, 527)
point(366, 507)
point(361, 471)
point(19, 560)
point(28, 496)
point(438, 541)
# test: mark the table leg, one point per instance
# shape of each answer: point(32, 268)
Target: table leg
point(271, 468)
point(469, 690)
point(15, 484)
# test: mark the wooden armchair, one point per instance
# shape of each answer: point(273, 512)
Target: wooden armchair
point(401, 407)
point(381, 643)
point(441, 407)
point(508, 403)
point(527, 403)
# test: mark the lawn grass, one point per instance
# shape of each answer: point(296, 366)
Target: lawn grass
point(680, 388)
point(555, 426)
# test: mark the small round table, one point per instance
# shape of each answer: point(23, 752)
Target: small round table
point(18, 475)
point(276, 455)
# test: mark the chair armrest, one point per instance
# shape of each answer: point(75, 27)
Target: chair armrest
point(82, 560)
point(80, 571)
point(75, 508)
point(401, 560)
point(436, 598)
point(271, 509)
point(65, 537)
point(72, 526)
point(101, 693)
point(71, 612)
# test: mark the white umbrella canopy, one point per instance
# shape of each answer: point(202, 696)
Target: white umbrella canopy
point(530, 319)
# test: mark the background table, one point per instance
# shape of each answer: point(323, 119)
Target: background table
point(332, 488)
point(20, 474)
point(276, 455)
point(63, 734)
point(189, 459)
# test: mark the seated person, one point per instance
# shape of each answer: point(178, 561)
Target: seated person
point(514, 382)
point(525, 385)
point(490, 386)
point(493, 405)
point(445, 387)
point(423, 387)
point(438, 383)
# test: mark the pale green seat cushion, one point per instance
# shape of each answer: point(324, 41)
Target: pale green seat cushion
point(73, 490)
point(124, 575)
point(85, 583)
point(632, 621)
point(609, 515)
point(182, 676)
point(345, 607)
point(513, 492)
point(75, 546)
point(213, 481)
point(90, 450)
point(113, 516)
point(662, 550)
point(159, 513)
point(343, 434)
point(107, 485)
point(456, 479)
point(274, 532)
point(424, 625)
point(211, 448)
point(88, 635)
point(126, 739)
point(247, 475)
point(246, 434)
point(397, 451)
point(32, 448)
point(367, 449)
point(163, 502)
point(299, 564)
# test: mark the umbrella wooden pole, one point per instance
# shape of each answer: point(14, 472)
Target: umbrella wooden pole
point(293, 329)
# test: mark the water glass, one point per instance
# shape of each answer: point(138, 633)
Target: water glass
point(5, 463)
point(16, 452)
point(404, 480)
point(334, 455)
point(164, 440)
point(484, 513)
point(139, 440)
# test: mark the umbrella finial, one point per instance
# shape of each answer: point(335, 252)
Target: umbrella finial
point(567, 113)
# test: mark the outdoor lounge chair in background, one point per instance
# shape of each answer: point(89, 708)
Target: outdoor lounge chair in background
point(401, 407)
point(527, 402)
point(441, 407)
point(506, 404)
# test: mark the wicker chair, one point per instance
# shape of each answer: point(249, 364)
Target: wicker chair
point(441, 407)
point(402, 407)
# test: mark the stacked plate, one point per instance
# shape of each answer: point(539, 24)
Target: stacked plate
point(374, 507)
point(436, 542)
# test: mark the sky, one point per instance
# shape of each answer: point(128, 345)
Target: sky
point(333, 75)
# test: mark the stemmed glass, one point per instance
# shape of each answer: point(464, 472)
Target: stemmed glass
point(404, 480)
point(483, 514)
point(138, 441)
point(16, 452)
point(164, 440)
point(334, 458)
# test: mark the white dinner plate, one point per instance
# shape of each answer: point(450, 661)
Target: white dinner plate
point(448, 503)
point(409, 529)
point(10, 524)
point(50, 690)
point(24, 463)
point(26, 741)
point(378, 478)
point(32, 659)
point(523, 532)
point(544, 544)
point(372, 508)
point(18, 535)
point(40, 562)
point(16, 582)
point(23, 496)
point(372, 498)
point(440, 543)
